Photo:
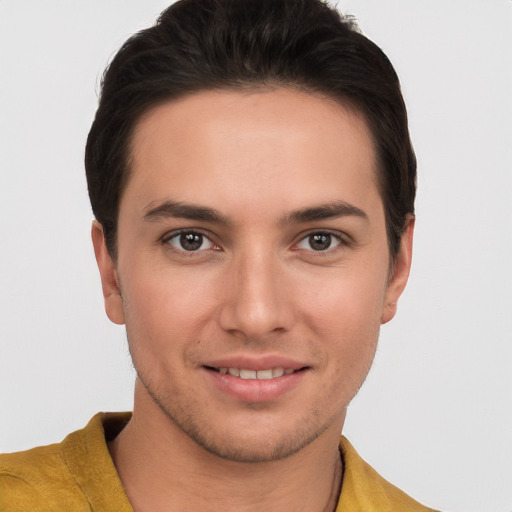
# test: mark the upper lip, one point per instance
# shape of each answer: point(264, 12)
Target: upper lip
point(256, 362)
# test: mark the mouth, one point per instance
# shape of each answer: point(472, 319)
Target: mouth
point(264, 374)
point(250, 381)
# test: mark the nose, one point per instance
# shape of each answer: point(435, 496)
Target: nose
point(257, 301)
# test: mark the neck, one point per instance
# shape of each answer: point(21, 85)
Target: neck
point(161, 468)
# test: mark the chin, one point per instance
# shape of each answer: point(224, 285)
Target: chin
point(258, 436)
point(260, 446)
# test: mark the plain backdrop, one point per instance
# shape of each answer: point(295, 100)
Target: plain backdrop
point(435, 415)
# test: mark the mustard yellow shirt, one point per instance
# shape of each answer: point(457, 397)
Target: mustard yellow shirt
point(78, 475)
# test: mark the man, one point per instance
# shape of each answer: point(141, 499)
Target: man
point(253, 183)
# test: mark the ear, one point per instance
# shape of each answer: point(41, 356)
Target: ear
point(399, 272)
point(108, 273)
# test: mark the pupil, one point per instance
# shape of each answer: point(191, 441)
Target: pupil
point(191, 241)
point(320, 242)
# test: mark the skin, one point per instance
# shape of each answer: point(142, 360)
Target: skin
point(255, 290)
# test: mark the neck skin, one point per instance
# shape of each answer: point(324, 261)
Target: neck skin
point(162, 469)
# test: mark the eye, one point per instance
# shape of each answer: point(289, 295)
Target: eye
point(190, 241)
point(319, 242)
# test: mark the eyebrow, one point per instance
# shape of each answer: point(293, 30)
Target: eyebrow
point(174, 209)
point(325, 211)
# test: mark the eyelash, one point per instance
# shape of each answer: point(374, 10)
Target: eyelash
point(334, 238)
point(339, 240)
point(176, 234)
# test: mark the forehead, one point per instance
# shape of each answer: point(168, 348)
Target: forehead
point(235, 147)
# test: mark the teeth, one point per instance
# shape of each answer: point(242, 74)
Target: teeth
point(247, 374)
point(278, 372)
point(264, 374)
point(253, 374)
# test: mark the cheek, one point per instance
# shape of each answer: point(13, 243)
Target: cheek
point(345, 318)
point(345, 300)
point(162, 307)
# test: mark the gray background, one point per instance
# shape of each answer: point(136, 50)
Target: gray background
point(435, 416)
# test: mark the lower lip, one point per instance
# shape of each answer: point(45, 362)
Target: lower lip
point(255, 390)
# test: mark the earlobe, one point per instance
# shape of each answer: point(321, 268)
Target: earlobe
point(400, 275)
point(108, 274)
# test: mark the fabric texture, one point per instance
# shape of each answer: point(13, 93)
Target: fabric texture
point(78, 475)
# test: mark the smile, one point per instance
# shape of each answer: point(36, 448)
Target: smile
point(243, 373)
point(251, 381)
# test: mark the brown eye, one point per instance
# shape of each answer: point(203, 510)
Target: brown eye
point(319, 242)
point(190, 241)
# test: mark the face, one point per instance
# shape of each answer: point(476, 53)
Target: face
point(253, 271)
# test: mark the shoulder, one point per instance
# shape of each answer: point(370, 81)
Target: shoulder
point(74, 475)
point(31, 479)
point(365, 490)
